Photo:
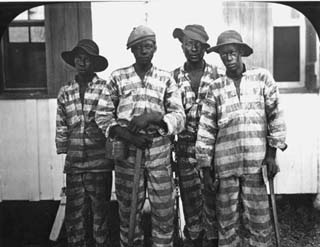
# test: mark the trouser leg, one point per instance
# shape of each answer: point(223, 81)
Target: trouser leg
point(98, 186)
point(124, 173)
point(256, 215)
point(192, 203)
point(77, 208)
point(160, 190)
point(227, 212)
point(210, 224)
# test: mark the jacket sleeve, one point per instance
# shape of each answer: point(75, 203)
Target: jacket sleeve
point(105, 115)
point(61, 138)
point(274, 113)
point(174, 117)
point(207, 132)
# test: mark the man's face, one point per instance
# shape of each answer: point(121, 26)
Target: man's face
point(83, 62)
point(193, 50)
point(144, 51)
point(231, 57)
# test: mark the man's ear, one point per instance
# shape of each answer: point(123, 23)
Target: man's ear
point(155, 47)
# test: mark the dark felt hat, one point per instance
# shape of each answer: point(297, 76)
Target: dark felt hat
point(231, 37)
point(100, 63)
point(195, 31)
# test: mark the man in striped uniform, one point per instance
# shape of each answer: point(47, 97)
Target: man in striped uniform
point(141, 107)
point(193, 79)
point(88, 173)
point(241, 127)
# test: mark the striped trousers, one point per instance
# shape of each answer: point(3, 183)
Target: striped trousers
point(158, 182)
point(244, 196)
point(198, 204)
point(86, 218)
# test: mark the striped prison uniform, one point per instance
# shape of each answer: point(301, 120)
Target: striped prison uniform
point(89, 173)
point(198, 205)
point(233, 133)
point(127, 96)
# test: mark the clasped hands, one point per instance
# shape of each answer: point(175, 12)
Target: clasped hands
point(131, 133)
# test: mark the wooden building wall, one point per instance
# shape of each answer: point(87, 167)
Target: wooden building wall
point(30, 169)
point(253, 21)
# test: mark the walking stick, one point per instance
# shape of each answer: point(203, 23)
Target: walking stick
point(274, 212)
point(133, 209)
point(273, 204)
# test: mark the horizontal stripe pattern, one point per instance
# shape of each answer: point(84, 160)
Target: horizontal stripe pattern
point(160, 190)
point(126, 96)
point(245, 196)
point(191, 197)
point(77, 134)
point(88, 194)
point(235, 131)
point(192, 103)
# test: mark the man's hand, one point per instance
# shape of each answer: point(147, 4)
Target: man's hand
point(141, 141)
point(139, 122)
point(270, 162)
point(272, 166)
point(138, 140)
point(143, 121)
point(208, 181)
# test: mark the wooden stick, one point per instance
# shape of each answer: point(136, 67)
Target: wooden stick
point(135, 190)
point(58, 222)
point(274, 212)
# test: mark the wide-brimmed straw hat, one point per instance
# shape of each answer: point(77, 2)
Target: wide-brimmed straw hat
point(194, 31)
point(231, 37)
point(139, 34)
point(100, 63)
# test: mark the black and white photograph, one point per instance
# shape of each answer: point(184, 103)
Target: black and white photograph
point(159, 123)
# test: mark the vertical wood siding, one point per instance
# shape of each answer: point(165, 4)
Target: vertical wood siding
point(66, 24)
point(300, 163)
point(253, 21)
point(29, 166)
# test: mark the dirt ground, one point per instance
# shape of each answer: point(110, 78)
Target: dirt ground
point(299, 226)
point(299, 221)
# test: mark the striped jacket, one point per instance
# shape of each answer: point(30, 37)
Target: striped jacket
point(234, 132)
point(77, 134)
point(192, 103)
point(127, 96)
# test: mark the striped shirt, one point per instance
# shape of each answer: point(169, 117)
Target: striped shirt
point(127, 96)
point(192, 103)
point(77, 134)
point(234, 132)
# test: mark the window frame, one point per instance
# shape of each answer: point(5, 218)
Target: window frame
point(71, 21)
point(293, 86)
point(25, 93)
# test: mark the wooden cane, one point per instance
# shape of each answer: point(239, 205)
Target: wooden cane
point(274, 212)
point(273, 203)
point(134, 198)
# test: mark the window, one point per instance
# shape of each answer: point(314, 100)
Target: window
point(30, 48)
point(289, 47)
point(286, 64)
point(23, 48)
